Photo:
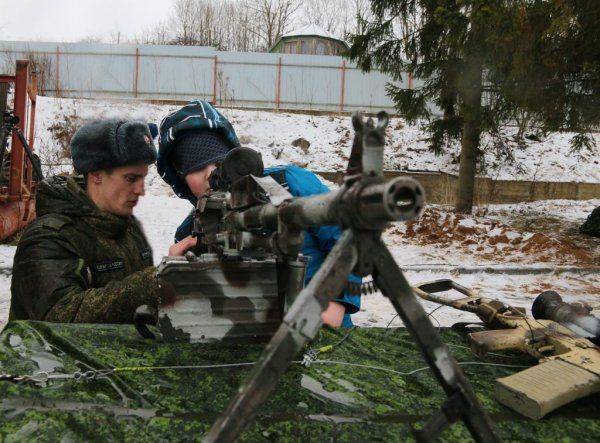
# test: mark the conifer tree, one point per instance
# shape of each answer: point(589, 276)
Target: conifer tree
point(481, 62)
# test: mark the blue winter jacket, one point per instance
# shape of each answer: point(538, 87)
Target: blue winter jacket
point(317, 242)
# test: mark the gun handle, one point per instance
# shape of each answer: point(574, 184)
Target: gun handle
point(498, 340)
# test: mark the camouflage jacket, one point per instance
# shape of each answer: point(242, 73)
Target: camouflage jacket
point(75, 263)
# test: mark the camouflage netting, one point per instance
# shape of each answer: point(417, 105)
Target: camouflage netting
point(319, 403)
point(592, 224)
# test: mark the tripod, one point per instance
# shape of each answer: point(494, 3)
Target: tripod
point(361, 207)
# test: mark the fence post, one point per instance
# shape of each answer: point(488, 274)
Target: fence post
point(57, 79)
point(214, 99)
point(278, 86)
point(136, 75)
point(343, 86)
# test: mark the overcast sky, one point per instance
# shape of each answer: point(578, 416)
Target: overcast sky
point(72, 20)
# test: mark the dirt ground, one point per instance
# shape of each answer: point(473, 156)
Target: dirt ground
point(504, 236)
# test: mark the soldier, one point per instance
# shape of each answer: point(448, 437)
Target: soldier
point(85, 258)
point(194, 140)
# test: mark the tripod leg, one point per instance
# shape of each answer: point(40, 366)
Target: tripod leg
point(301, 324)
point(390, 280)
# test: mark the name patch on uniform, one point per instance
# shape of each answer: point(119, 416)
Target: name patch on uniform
point(146, 254)
point(110, 265)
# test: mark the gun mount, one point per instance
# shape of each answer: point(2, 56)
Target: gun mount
point(252, 221)
point(363, 206)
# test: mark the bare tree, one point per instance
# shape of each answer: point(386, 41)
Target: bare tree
point(229, 25)
point(361, 10)
point(342, 18)
point(325, 14)
point(158, 34)
point(271, 18)
point(184, 22)
point(91, 39)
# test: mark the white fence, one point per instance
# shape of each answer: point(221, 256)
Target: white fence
point(179, 73)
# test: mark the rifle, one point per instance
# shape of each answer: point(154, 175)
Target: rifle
point(253, 222)
point(569, 365)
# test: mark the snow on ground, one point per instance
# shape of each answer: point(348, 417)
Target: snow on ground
point(516, 290)
point(161, 213)
point(330, 140)
point(495, 235)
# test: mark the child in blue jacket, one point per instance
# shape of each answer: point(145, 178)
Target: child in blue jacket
point(193, 140)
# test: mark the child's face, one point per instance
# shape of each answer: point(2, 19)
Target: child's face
point(198, 182)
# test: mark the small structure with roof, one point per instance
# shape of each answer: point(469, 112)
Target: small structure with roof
point(311, 40)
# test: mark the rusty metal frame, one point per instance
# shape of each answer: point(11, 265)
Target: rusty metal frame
point(17, 199)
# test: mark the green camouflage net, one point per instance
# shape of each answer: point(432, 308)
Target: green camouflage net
point(317, 403)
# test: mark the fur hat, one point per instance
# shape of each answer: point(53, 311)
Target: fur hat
point(106, 144)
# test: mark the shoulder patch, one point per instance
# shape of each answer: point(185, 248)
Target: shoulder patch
point(116, 264)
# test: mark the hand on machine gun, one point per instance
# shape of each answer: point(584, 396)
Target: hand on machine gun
point(569, 364)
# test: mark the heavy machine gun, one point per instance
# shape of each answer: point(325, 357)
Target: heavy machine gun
point(254, 223)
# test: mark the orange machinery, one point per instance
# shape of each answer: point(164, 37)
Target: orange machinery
point(17, 188)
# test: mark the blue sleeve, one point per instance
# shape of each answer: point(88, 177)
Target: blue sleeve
point(185, 228)
point(303, 183)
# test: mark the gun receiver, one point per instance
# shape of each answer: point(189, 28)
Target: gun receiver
point(569, 365)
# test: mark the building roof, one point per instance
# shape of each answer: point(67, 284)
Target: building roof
point(309, 30)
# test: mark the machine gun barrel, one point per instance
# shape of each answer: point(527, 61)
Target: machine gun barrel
point(366, 205)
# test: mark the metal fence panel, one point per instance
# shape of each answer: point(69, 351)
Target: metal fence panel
point(246, 79)
point(367, 90)
point(178, 73)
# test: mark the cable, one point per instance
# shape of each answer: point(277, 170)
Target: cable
point(312, 353)
point(345, 337)
point(387, 328)
point(307, 362)
point(430, 314)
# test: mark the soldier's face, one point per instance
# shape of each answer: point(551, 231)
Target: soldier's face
point(119, 191)
point(198, 181)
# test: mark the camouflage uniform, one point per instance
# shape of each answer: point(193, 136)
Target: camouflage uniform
point(75, 263)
